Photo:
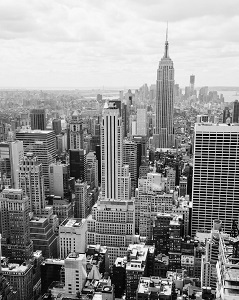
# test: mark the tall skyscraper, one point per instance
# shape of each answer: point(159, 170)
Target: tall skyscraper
point(15, 208)
point(82, 209)
point(76, 131)
point(215, 176)
point(31, 181)
point(235, 114)
point(11, 154)
point(130, 158)
point(164, 137)
point(38, 119)
point(42, 143)
point(111, 152)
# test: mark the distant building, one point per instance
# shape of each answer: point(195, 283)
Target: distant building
point(38, 119)
point(56, 126)
point(142, 122)
point(235, 114)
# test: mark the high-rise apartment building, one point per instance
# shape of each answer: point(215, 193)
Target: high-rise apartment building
point(111, 152)
point(76, 131)
point(42, 143)
point(15, 209)
point(164, 135)
point(215, 176)
point(31, 181)
point(38, 119)
point(235, 114)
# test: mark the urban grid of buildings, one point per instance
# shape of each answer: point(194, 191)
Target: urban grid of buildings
point(128, 196)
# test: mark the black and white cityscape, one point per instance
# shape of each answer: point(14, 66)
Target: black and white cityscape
point(112, 188)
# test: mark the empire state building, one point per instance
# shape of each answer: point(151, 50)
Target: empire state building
point(165, 102)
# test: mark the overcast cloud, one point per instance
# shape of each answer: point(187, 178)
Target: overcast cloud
point(95, 43)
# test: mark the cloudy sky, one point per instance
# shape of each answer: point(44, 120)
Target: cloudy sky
point(117, 43)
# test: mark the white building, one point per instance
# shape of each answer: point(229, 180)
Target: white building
point(72, 236)
point(92, 162)
point(75, 273)
point(112, 224)
point(215, 176)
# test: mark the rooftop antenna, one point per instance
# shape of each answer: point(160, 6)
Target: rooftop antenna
point(166, 43)
point(167, 32)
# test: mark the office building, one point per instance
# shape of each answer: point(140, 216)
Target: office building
point(130, 159)
point(215, 176)
point(76, 131)
point(82, 208)
point(136, 268)
point(42, 143)
point(15, 209)
point(20, 277)
point(164, 136)
point(43, 236)
point(56, 126)
point(38, 119)
point(142, 122)
point(92, 164)
point(72, 236)
point(192, 84)
point(75, 273)
point(6, 291)
point(59, 175)
point(111, 152)
point(235, 113)
point(11, 154)
point(112, 224)
point(78, 164)
point(31, 181)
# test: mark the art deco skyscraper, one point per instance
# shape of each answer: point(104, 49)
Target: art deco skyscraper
point(215, 176)
point(164, 137)
point(111, 152)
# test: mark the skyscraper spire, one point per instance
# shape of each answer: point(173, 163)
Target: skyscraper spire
point(166, 43)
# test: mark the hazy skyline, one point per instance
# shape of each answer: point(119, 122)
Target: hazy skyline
point(93, 43)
